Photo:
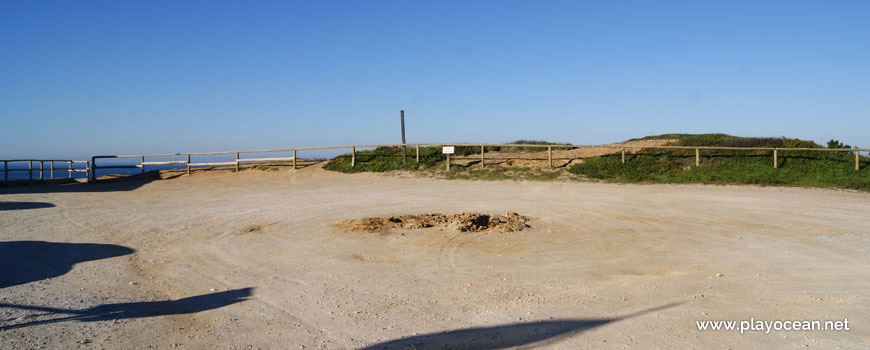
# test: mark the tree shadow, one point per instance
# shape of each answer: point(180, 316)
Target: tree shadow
point(109, 312)
point(27, 261)
point(24, 205)
point(525, 335)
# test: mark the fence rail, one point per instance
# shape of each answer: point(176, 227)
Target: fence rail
point(91, 166)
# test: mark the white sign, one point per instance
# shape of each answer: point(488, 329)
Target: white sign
point(447, 150)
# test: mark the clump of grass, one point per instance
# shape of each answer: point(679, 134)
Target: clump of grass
point(265, 168)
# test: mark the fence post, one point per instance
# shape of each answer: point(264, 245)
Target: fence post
point(857, 159)
point(623, 155)
point(418, 154)
point(550, 156)
point(697, 157)
point(41, 165)
point(353, 156)
point(188, 164)
point(142, 163)
point(775, 159)
point(30, 170)
point(294, 159)
point(51, 169)
point(69, 162)
point(237, 162)
point(5, 171)
point(404, 147)
point(448, 161)
point(482, 157)
point(93, 167)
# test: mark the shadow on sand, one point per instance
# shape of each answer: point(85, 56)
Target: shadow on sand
point(24, 205)
point(113, 184)
point(118, 183)
point(531, 334)
point(27, 261)
point(108, 312)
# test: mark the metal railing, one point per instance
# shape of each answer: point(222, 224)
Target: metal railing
point(51, 168)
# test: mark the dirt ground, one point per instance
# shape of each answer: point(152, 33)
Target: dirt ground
point(249, 260)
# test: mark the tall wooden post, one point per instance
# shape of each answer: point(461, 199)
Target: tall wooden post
point(697, 157)
point(404, 149)
point(51, 169)
point(294, 159)
point(775, 160)
point(353, 156)
point(857, 159)
point(448, 162)
point(550, 156)
point(93, 169)
point(237, 161)
point(188, 164)
point(69, 163)
point(142, 163)
point(418, 154)
point(41, 165)
point(623, 156)
point(482, 157)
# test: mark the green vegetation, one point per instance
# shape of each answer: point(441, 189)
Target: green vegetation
point(390, 158)
point(796, 168)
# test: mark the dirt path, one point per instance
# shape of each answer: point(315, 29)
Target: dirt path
point(248, 260)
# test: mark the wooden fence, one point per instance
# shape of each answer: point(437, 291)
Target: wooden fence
point(774, 150)
point(92, 166)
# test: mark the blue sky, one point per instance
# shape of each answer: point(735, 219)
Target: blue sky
point(79, 78)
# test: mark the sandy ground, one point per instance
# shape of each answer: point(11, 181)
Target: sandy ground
point(248, 260)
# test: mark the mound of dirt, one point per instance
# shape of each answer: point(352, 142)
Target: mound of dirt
point(561, 157)
point(464, 222)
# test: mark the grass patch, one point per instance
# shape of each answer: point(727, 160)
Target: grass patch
point(796, 168)
point(390, 158)
point(264, 168)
